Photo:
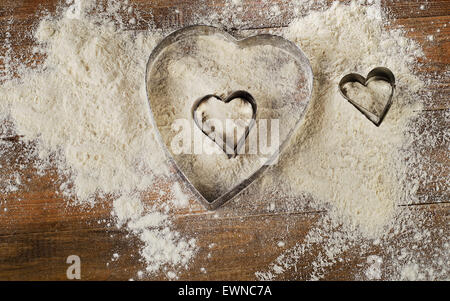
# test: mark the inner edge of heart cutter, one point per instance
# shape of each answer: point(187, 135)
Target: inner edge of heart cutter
point(263, 39)
point(378, 73)
point(238, 94)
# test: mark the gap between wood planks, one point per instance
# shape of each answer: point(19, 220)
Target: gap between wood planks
point(113, 230)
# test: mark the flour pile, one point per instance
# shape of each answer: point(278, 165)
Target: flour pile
point(86, 106)
point(84, 111)
point(356, 165)
point(344, 161)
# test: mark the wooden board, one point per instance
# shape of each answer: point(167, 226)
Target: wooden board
point(39, 231)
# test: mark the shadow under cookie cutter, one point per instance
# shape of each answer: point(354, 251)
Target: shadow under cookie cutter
point(258, 40)
point(379, 73)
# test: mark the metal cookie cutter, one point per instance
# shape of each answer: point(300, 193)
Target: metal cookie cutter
point(301, 99)
point(379, 73)
point(231, 150)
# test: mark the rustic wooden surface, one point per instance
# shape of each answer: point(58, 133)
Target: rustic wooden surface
point(39, 230)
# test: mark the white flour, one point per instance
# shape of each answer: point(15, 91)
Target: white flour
point(86, 106)
point(373, 98)
point(340, 156)
point(86, 111)
point(343, 160)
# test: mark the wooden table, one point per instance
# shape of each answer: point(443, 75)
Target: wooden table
point(39, 231)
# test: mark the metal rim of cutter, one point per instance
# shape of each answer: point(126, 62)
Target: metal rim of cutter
point(378, 73)
point(263, 39)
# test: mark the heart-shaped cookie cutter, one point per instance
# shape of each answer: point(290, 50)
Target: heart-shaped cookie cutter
point(258, 40)
point(379, 73)
point(231, 151)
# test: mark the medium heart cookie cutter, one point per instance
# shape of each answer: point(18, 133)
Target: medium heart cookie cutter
point(259, 40)
point(231, 150)
point(379, 73)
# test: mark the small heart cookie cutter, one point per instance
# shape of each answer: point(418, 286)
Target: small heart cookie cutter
point(379, 73)
point(231, 150)
point(263, 39)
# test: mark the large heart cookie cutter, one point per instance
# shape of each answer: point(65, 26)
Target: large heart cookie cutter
point(259, 40)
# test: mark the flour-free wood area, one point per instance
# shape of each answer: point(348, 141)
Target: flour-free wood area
point(39, 231)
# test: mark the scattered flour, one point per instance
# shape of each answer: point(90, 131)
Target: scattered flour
point(281, 244)
point(344, 161)
point(339, 156)
point(85, 108)
point(373, 272)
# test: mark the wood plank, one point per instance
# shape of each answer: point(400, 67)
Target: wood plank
point(429, 148)
point(251, 240)
point(354, 261)
point(429, 162)
point(178, 13)
point(19, 19)
point(185, 12)
point(429, 151)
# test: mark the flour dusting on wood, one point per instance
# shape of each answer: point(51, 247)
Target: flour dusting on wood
point(76, 107)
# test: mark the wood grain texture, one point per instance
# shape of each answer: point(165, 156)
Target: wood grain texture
point(39, 229)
